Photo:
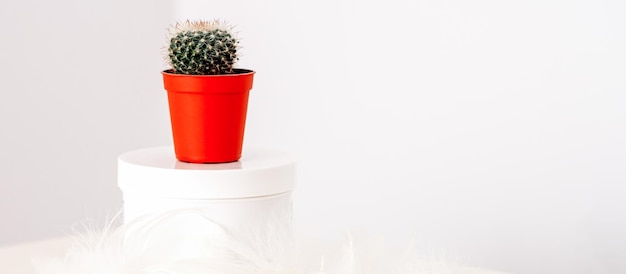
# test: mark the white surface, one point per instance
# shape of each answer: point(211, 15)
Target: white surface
point(503, 121)
point(18, 258)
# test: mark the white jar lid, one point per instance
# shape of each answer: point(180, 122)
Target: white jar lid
point(156, 172)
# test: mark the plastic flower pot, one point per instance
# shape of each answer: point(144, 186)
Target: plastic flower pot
point(208, 114)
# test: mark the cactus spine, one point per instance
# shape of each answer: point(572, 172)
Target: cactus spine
point(202, 47)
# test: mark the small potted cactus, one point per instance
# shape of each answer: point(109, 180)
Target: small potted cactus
point(207, 96)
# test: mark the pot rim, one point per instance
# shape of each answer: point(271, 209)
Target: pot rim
point(238, 72)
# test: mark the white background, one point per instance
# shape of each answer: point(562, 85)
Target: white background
point(491, 131)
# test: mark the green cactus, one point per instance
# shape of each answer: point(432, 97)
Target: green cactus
point(202, 47)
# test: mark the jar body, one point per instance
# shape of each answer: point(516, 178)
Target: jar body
point(230, 214)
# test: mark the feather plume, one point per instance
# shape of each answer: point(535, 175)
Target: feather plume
point(186, 242)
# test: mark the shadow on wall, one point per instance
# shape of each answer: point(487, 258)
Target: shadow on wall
point(83, 82)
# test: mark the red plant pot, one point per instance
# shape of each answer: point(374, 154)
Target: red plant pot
point(208, 114)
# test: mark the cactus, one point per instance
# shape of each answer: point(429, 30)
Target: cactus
point(202, 47)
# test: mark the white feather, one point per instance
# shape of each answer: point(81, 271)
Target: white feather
point(186, 242)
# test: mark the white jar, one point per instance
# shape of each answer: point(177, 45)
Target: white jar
point(239, 195)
